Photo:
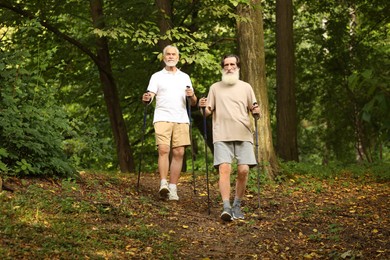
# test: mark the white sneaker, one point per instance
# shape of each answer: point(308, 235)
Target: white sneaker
point(164, 190)
point(173, 194)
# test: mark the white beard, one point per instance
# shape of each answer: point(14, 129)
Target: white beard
point(170, 63)
point(230, 78)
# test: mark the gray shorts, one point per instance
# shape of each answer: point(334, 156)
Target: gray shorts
point(225, 152)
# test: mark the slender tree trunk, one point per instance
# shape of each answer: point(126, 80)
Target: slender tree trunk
point(286, 111)
point(111, 97)
point(251, 45)
point(164, 21)
point(362, 140)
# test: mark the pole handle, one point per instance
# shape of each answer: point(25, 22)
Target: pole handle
point(256, 116)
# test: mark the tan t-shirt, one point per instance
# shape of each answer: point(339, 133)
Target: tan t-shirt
point(231, 106)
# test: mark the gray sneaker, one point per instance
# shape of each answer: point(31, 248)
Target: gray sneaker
point(164, 191)
point(237, 213)
point(226, 214)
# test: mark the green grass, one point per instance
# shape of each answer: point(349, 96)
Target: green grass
point(378, 171)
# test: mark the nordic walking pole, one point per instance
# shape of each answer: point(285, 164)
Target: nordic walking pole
point(205, 151)
point(142, 145)
point(256, 117)
point(192, 145)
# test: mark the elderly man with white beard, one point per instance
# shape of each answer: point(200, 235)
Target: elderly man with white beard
point(231, 101)
point(171, 87)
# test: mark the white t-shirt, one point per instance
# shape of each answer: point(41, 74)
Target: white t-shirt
point(170, 96)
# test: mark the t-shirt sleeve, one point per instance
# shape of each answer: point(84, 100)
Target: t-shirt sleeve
point(189, 83)
point(251, 96)
point(153, 84)
point(211, 98)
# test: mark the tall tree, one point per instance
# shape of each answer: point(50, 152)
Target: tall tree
point(286, 110)
point(111, 97)
point(251, 48)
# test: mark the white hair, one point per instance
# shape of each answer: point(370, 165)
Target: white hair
point(170, 46)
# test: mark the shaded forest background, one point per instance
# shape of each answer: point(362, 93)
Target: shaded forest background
point(72, 74)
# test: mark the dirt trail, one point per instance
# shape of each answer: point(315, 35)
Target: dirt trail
point(334, 219)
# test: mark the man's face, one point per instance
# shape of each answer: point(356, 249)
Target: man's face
point(171, 57)
point(230, 71)
point(230, 65)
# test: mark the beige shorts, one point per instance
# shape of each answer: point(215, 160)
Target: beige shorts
point(172, 134)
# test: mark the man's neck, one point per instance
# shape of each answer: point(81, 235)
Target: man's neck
point(171, 69)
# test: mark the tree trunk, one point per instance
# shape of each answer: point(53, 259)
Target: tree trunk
point(164, 21)
point(251, 45)
point(286, 111)
point(111, 97)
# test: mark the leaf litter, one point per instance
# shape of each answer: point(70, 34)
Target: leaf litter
point(340, 218)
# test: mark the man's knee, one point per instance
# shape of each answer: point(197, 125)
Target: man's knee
point(163, 149)
point(224, 169)
point(243, 171)
point(178, 152)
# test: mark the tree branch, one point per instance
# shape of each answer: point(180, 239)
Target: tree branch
point(19, 10)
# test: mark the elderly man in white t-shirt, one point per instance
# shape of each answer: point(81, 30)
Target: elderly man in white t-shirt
point(171, 87)
point(231, 101)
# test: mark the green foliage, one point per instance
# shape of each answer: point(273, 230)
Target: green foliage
point(3, 166)
point(87, 148)
point(378, 171)
point(254, 181)
point(342, 80)
point(341, 75)
point(31, 123)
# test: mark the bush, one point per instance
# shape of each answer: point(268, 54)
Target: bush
point(31, 122)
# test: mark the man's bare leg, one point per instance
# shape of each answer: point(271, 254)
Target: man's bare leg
point(176, 164)
point(224, 188)
point(163, 167)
